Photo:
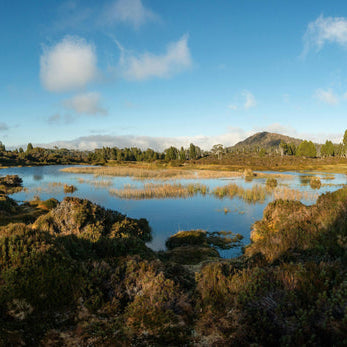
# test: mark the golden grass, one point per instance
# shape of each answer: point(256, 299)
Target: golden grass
point(160, 191)
point(152, 174)
point(96, 183)
point(51, 188)
point(293, 194)
point(255, 194)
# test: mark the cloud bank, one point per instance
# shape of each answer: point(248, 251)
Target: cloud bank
point(229, 138)
point(68, 65)
point(233, 136)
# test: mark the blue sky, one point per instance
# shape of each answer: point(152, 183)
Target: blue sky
point(154, 73)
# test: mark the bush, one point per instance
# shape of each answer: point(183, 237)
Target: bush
point(271, 182)
point(315, 183)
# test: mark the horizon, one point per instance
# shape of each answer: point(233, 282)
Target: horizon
point(152, 74)
point(161, 148)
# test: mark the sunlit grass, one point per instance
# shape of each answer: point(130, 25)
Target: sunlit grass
point(96, 183)
point(160, 191)
point(285, 193)
point(255, 194)
point(151, 174)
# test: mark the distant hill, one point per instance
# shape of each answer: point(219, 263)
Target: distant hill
point(266, 140)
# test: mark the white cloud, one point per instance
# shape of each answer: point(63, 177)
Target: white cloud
point(326, 96)
point(87, 103)
point(249, 99)
point(68, 65)
point(129, 11)
point(149, 65)
point(325, 30)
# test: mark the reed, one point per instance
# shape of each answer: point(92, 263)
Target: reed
point(160, 191)
point(255, 194)
point(96, 183)
point(151, 174)
point(285, 193)
point(51, 188)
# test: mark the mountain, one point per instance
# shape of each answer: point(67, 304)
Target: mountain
point(266, 140)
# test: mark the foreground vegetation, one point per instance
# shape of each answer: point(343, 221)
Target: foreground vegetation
point(78, 274)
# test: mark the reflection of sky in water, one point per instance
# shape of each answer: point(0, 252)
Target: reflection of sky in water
point(167, 216)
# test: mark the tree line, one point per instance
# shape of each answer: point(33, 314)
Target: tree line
point(63, 156)
point(309, 149)
point(57, 155)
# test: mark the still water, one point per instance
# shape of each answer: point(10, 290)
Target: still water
point(167, 216)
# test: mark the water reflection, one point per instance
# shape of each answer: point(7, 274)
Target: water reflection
point(167, 216)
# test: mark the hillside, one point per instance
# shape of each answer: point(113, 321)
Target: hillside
point(266, 140)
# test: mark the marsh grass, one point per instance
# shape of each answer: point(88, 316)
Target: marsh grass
point(96, 183)
point(51, 188)
point(285, 193)
point(151, 174)
point(160, 191)
point(259, 193)
point(255, 194)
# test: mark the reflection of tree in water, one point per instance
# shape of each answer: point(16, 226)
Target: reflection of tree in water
point(37, 177)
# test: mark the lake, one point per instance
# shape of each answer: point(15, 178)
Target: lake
point(167, 216)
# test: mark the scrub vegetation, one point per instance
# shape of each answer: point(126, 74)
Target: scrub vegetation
point(262, 151)
point(78, 274)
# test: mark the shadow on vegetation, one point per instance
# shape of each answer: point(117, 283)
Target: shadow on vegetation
point(82, 275)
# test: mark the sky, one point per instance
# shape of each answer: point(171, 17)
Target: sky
point(154, 73)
